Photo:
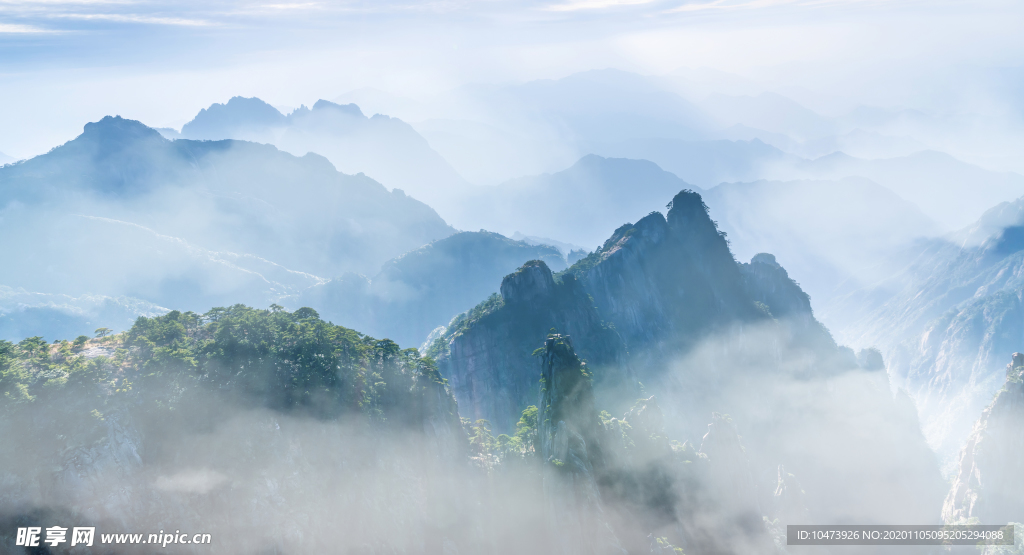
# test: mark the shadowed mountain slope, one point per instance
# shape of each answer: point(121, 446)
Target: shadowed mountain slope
point(419, 291)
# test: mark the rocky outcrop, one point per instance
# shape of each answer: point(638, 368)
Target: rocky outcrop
point(532, 282)
point(655, 290)
point(488, 358)
point(989, 484)
point(771, 288)
point(666, 281)
point(706, 335)
point(570, 447)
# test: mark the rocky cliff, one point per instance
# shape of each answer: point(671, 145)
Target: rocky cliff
point(622, 486)
point(487, 353)
point(989, 484)
point(679, 318)
point(653, 291)
point(569, 432)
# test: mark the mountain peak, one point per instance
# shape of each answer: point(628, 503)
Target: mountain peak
point(687, 206)
point(348, 109)
point(115, 130)
point(533, 280)
point(238, 112)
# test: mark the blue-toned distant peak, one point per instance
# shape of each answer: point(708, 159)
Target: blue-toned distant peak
point(254, 119)
point(115, 131)
point(348, 109)
point(610, 166)
point(221, 121)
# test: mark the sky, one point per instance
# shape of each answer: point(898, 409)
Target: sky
point(66, 62)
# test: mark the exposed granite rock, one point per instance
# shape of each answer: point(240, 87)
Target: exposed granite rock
point(569, 431)
point(770, 286)
point(654, 289)
point(989, 484)
point(667, 281)
point(489, 361)
point(533, 281)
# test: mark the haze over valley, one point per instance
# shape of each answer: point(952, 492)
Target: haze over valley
point(612, 277)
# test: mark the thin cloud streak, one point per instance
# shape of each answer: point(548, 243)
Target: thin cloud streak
point(725, 5)
point(595, 5)
point(135, 18)
point(16, 29)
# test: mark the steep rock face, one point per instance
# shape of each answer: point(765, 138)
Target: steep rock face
point(706, 335)
point(487, 353)
point(666, 281)
point(616, 486)
point(989, 484)
point(653, 291)
point(768, 283)
point(570, 447)
point(530, 283)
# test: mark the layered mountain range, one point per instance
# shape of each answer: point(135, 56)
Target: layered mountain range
point(385, 148)
point(205, 222)
point(123, 222)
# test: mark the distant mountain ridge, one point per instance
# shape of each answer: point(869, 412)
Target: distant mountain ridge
point(384, 148)
point(928, 179)
point(422, 289)
point(575, 204)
